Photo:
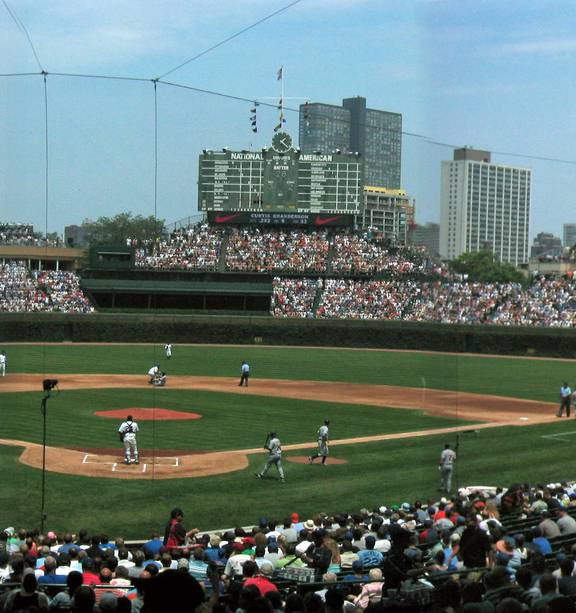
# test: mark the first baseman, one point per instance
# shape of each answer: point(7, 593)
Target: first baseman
point(2, 363)
point(322, 443)
point(127, 432)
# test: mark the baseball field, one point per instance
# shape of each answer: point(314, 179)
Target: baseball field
point(201, 436)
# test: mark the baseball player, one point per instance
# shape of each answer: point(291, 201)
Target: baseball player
point(127, 431)
point(3, 363)
point(274, 456)
point(153, 372)
point(446, 467)
point(322, 443)
point(244, 374)
point(168, 350)
point(565, 398)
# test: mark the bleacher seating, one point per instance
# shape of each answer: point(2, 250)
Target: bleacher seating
point(329, 552)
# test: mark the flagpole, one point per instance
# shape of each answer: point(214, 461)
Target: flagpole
point(282, 110)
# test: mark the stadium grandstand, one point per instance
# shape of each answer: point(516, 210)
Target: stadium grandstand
point(284, 271)
point(499, 549)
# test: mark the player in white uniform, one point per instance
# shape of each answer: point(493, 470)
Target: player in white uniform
point(447, 459)
point(274, 456)
point(322, 443)
point(3, 363)
point(168, 350)
point(153, 372)
point(127, 432)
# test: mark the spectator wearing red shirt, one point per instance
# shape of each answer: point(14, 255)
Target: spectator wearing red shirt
point(261, 581)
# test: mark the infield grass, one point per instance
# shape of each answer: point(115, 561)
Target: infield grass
point(376, 473)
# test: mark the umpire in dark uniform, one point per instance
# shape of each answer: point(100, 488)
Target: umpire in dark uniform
point(244, 374)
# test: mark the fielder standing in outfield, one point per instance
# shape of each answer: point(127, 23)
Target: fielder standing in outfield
point(446, 467)
point(274, 448)
point(322, 443)
point(2, 363)
point(168, 350)
point(127, 432)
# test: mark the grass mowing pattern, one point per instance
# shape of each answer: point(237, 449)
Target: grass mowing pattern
point(522, 378)
point(229, 421)
point(378, 473)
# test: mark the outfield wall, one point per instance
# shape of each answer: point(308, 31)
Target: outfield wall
point(212, 329)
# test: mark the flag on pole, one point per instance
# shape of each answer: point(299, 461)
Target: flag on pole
point(279, 73)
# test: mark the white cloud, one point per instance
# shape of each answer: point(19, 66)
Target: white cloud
point(556, 47)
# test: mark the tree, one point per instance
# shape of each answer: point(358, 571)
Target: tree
point(482, 266)
point(116, 230)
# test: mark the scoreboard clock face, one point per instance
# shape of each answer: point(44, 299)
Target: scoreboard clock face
point(280, 187)
point(282, 142)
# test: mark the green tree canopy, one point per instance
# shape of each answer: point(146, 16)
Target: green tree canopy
point(482, 266)
point(116, 230)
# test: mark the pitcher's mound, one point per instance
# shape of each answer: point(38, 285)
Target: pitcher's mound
point(303, 459)
point(148, 414)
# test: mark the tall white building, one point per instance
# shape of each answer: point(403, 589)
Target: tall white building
point(484, 206)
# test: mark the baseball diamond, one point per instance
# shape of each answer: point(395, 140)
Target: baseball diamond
point(377, 423)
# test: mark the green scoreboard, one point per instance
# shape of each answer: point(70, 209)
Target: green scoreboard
point(279, 179)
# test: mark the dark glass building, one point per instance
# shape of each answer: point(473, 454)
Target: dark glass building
point(350, 128)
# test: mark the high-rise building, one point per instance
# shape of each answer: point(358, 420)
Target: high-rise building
point(387, 210)
point(546, 244)
point(569, 235)
point(353, 128)
point(484, 206)
point(427, 236)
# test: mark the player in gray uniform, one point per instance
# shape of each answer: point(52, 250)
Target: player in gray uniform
point(274, 456)
point(446, 467)
point(3, 361)
point(127, 432)
point(322, 443)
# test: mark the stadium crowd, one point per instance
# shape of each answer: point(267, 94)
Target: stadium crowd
point(487, 550)
point(360, 254)
point(253, 249)
point(23, 234)
point(195, 247)
point(546, 302)
point(266, 250)
point(22, 290)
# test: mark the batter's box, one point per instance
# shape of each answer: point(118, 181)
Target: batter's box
point(94, 459)
point(165, 461)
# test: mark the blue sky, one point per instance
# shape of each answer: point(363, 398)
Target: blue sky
point(493, 75)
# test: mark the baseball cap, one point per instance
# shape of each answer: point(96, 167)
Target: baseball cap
point(295, 518)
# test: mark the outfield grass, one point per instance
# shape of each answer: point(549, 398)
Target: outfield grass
point(516, 377)
point(377, 473)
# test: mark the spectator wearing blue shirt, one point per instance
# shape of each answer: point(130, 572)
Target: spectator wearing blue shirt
point(153, 546)
point(369, 556)
point(542, 543)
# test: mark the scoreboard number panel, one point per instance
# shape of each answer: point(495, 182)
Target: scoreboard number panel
point(279, 179)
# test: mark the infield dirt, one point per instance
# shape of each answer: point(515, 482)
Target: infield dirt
point(488, 411)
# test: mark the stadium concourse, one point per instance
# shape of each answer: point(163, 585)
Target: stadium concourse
point(317, 273)
point(483, 549)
